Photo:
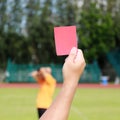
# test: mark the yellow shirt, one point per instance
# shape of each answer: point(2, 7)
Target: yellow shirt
point(47, 87)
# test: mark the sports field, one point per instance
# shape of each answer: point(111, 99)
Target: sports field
point(18, 103)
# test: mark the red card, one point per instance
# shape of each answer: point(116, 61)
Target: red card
point(65, 39)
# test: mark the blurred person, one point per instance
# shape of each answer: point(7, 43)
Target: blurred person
point(47, 84)
point(72, 71)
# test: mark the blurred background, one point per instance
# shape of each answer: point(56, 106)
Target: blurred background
point(27, 38)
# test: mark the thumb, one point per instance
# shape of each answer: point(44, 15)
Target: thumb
point(73, 53)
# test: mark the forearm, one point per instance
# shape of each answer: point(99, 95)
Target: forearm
point(72, 70)
point(61, 106)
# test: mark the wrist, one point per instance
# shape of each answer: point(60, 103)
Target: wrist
point(71, 83)
point(69, 88)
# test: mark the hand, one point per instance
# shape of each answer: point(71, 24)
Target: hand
point(45, 71)
point(72, 70)
point(73, 66)
point(34, 73)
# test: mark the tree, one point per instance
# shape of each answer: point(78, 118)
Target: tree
point(116, 18)
point(96, 35)
point(2, 25)
point(11, 40)
point(66, 12)
point(40, 31)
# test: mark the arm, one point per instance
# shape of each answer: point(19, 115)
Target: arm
point(37, 76)
point(72, 70)
point(47, 73)
point(34, 74)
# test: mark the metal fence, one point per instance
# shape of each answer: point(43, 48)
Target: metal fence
point(21, 72)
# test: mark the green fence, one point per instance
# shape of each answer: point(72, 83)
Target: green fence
point(21, 72)
point(114, 59)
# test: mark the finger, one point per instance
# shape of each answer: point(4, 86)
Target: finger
point(79, 55)
point(73, 53)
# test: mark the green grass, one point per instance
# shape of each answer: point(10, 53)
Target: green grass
point(88, 104)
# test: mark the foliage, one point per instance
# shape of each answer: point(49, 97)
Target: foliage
point(26, 28)
point(95, 32)
point(66, 12)
point(114, 8)
point(40, 33)
point(11, 46)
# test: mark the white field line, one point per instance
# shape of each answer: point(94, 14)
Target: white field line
point(80, 114)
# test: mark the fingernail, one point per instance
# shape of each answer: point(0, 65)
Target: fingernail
point(78, 56)
point(73, 50)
